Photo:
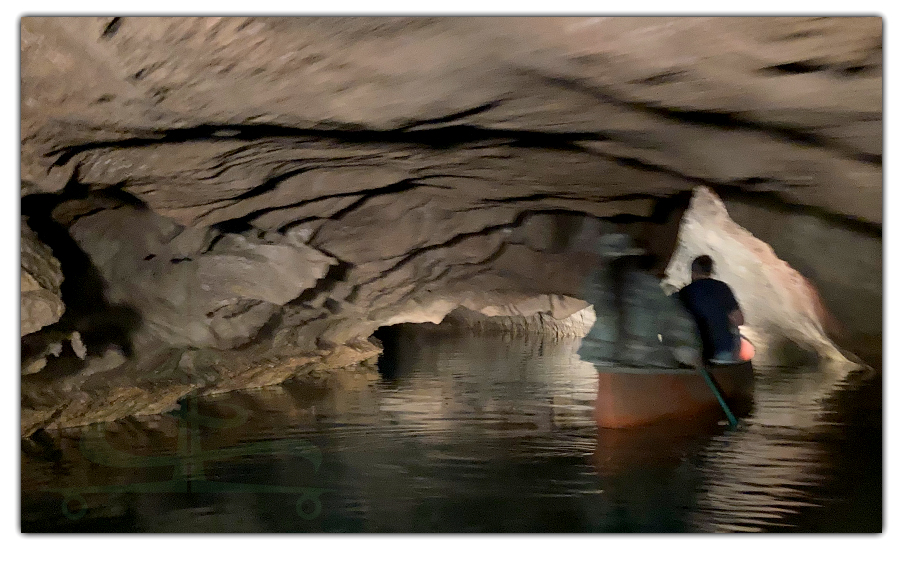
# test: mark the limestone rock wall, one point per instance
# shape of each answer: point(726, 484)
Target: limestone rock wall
point(41, 277)
point(192, 288)
point(844, 264)
point(575, 325)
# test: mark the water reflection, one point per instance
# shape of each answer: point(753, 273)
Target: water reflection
point(777, 463)
point(473, 433)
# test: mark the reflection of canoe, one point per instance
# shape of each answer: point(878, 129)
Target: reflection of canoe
point(635, 396)
point(658, 444)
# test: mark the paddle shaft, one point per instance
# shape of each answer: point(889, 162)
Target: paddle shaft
point(715, 390)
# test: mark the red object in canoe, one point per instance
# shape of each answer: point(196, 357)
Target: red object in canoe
point(747, 350)
point(629, 397)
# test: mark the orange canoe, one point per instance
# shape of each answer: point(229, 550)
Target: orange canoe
point(629, 397)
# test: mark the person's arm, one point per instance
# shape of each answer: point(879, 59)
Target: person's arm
point(736, 316)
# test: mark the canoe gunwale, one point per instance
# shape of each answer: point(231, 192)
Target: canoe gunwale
point(629, 370)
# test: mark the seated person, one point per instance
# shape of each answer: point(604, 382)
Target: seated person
point(714, 307)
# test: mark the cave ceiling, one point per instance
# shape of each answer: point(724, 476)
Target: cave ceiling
point(277, 120)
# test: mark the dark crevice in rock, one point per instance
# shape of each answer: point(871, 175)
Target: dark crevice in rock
point(284, 229)
point(266, 332)
point(807, 67)
point(83, 289)
point(797, 67)
point(855, 70)
point(401, 186)
point(234, 309)
point(111, 28)
point(389, 338)
point(266, 186)
point(425, 178)
point(332, 306)
point(553, 196)
point(336, 274)
point(722, 120)
point(442, 121)
point(661, 78)
point(413, 254)
point(667, 207)
point(658, 233)
point(776, 201)
point(563, 142)
point(237, 226)
point(441, 137)
point(746, 187)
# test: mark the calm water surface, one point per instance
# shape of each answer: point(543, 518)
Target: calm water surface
point(469, 434)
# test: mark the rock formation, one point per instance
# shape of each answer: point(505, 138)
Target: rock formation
point(39, 284)
point(190, 286)
point(234, 201)
point(575, 325)
point(780, 306)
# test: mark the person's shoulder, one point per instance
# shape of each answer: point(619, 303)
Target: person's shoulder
point(709, 285)
point(721, 286)
point(720, 283)
point(701, 284)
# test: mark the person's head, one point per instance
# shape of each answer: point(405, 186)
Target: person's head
point(701, 267)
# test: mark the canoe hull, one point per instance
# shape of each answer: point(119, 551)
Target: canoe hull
point(627, 398)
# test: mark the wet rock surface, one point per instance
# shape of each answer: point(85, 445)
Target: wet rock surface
point(108, 389)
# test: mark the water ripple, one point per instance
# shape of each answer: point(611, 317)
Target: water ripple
point(472, 434)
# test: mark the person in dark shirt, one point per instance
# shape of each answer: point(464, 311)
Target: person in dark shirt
point(714, 307)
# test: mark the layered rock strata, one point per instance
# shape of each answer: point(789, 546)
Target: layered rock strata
point(41, 301)
point(271, 188)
